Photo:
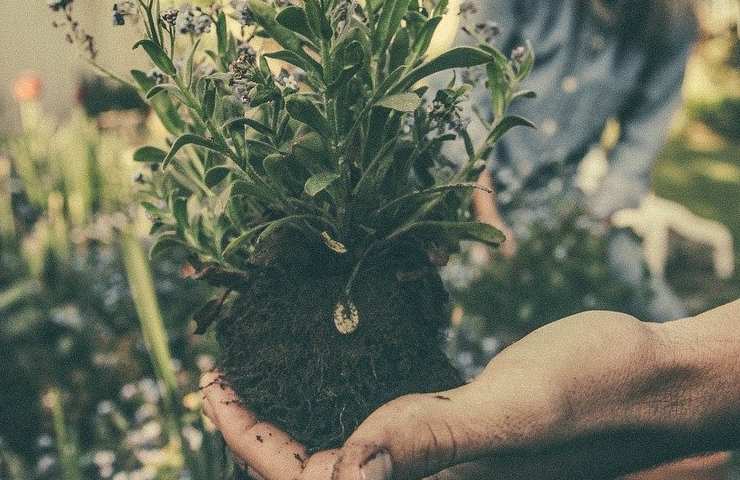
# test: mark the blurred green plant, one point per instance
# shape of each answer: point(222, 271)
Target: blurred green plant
point(558, 270)
point(65, 440)
point(340, 145)
point(65, 246)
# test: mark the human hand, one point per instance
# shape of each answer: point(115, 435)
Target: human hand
point(591, 396)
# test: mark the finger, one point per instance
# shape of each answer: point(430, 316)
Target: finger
point(414, 436)
point(320, 466)
point(269, 451)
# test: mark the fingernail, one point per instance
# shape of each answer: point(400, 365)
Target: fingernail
point(377, 467)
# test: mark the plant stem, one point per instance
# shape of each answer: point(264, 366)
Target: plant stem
point(66, 445)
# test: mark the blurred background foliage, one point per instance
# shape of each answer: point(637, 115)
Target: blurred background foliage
point(561, 269)
point(98, 361)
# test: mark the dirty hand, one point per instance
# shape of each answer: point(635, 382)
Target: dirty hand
point(595, 395)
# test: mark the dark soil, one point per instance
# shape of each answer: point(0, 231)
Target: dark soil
point(283, 355)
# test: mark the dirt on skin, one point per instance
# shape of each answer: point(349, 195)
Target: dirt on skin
point(284, 357)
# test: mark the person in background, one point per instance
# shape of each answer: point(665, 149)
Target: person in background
point(596, 60)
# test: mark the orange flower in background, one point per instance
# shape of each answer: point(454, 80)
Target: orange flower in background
point(27, 87)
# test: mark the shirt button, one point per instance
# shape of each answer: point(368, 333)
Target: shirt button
point(549, 127)
point(569, 84)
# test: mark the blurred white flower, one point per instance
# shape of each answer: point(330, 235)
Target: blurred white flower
point(145, 412)
point(490, 345)
point(205, 363)
point(44, 441)
point(104, 457)
point(45, 463)
point(146, 435)
point(149, 390)
point(193, 436)
point(105, 407)
point(149, 457)
point(129, 391)
point(465, 359)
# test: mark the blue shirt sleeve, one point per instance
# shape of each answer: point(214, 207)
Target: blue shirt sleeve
point(645, 123)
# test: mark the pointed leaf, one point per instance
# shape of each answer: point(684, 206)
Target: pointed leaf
point(302, 62)
point(206, 315)
point(415, 198)
point(215, 174)
point(402, 102)
point(191, 139)
point(505, 125)
point(240, 122)
point(390, 20)
point(317, 21)
point(303, 109)
point(320, 182)
point(158, 56)
point(460, 57)
point(265, 16)
point(149, 154)
point(222, 33)
point(294, 18)
point(163, 243)
point(243, 238)
point(456, 231)
point(424, 39)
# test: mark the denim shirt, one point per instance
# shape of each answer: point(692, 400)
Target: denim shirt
point(586, 72)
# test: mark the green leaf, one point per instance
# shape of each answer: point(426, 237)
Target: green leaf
point(303, 109)
point(163, 243)
point(265, 15)
point(163, 106)
point(222, 34)
point(317, 21)
point(320, 182)
point(294, 18)
point(402, 102)
point(415, 198)
point(388, 23)
point(506, 124)
point(456, 231)
point(311, 152)
point(242, 238)
point(284, 171)
point(399, 50)
point(299, 61)
point(209, 101)
point(206, 315)
point(216, 174)
point(158, 56)
point(180, 211)
point(524, 94)
point(142, 79)
point(191, 139)
point(149, 154)
point(241, 122)
point(460, 57)
point(499, 87)
point(421, 44)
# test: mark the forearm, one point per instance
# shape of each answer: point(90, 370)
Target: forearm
point(704, 353)
point(628, 395)
point(484, 203)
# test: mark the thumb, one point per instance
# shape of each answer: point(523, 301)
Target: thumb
point(414, 436)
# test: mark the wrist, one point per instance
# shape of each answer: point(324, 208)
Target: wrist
point(700, 360)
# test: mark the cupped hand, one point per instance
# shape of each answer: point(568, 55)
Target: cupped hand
point(591, 396)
